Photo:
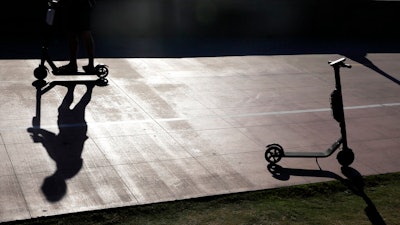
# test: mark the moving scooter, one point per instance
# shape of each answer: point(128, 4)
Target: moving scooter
point(274, 152)
point(41, 71)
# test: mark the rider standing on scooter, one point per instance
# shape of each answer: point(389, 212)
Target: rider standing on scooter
point(76, 19)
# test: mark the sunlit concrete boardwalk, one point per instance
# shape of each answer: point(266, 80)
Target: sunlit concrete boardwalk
point(167, 129)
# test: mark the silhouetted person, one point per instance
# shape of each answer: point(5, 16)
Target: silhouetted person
point(66, 147)
point(76, 18)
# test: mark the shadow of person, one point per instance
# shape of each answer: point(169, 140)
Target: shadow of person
point(66, 147)
point(354, 182)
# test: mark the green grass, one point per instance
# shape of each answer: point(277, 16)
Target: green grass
point(322, 203)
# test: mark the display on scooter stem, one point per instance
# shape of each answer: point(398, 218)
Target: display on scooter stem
point(345, 157)
point(41, 71)
point(51, 11)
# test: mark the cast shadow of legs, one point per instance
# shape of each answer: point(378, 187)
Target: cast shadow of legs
point(353, 181)
point(66, 147)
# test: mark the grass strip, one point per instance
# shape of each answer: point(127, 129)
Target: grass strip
point(320, 203)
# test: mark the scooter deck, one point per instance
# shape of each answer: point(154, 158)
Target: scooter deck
point(79, 73)
point(326, 153)
point(101, 70)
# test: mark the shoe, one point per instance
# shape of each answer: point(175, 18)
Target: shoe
point(89, 69)
point(67, 69)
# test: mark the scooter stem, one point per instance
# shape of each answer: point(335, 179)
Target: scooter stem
point(336, 66)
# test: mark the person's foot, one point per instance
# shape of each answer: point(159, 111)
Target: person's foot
point(68, 69)
point(89, 69)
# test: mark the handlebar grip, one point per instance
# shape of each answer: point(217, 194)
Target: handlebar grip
point(340, 63)
point(346, 65)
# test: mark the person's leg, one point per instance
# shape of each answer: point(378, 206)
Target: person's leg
point(73, 41)
point(88, 42)
point(73, 46)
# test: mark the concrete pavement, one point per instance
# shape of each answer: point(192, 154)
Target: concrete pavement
point(175, 128)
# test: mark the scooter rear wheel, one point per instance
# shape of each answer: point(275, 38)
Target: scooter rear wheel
point(274, 153)
point(101, 71)
point(40, 72)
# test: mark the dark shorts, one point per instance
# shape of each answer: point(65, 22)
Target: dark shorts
point(77, 20)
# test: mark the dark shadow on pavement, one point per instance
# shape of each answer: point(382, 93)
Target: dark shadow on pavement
point(362, 58)
point(353, 181)
point(66, 147)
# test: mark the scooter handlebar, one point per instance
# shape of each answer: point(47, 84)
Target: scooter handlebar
point(340, 63)
point(53, 3)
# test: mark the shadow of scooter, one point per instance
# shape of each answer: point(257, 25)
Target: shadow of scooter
point(353, 180)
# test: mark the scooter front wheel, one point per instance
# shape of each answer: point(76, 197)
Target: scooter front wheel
point(101, 70)
point(345, 157)
point(274, 153)
point(40, 72)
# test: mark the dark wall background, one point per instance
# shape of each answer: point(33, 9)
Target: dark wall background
point(219, 18)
